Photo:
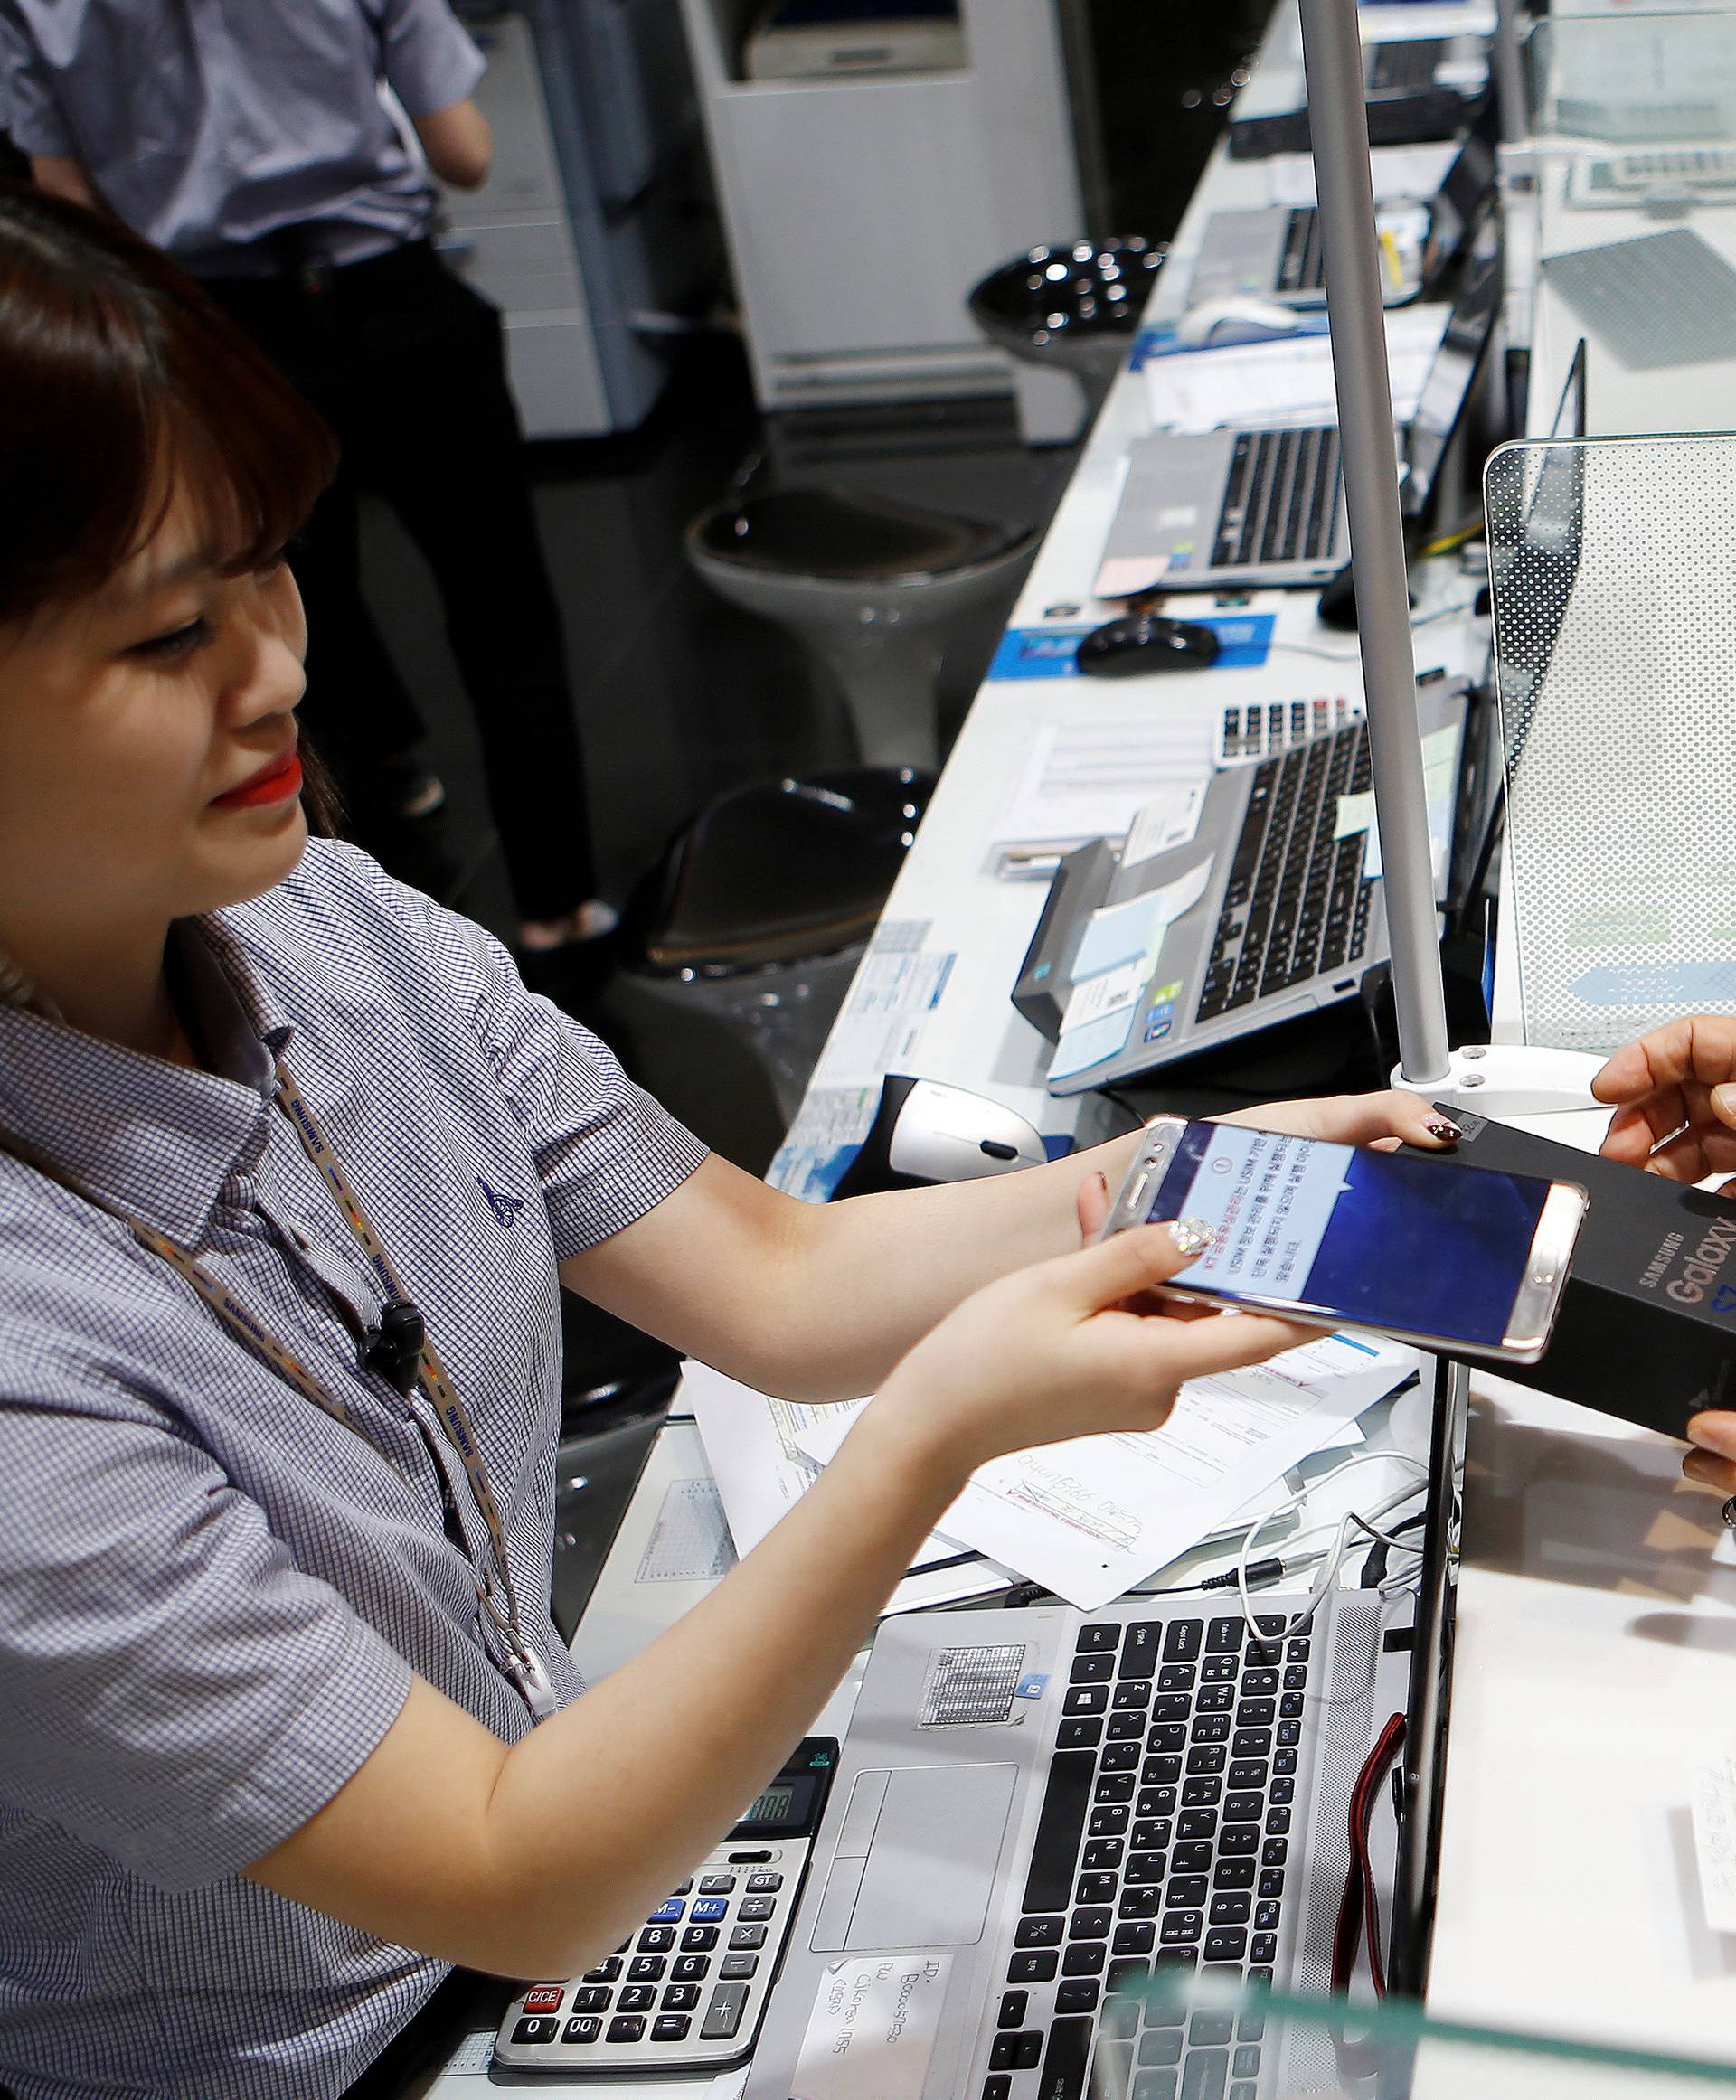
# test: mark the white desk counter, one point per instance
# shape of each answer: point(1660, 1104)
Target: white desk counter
point(1594, 1676)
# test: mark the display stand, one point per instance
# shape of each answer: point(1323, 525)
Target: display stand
point(1500, 1079)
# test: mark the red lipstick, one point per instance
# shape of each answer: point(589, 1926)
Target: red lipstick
point(277, 782)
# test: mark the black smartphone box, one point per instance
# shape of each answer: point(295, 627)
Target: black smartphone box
point(1646, 1330)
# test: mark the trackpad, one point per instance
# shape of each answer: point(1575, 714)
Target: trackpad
point(930, 1870)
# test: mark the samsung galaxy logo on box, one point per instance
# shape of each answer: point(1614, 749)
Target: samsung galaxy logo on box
point(1700, 1270)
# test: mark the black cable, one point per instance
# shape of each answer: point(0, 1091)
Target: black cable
point(1375, 1563)
point(1127, 1107)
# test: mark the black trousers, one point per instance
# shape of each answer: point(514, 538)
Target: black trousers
point(407, 366)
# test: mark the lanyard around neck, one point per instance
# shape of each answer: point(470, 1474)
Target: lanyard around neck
point(495, 1587)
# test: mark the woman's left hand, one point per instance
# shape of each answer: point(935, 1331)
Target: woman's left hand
point(1383, 1120)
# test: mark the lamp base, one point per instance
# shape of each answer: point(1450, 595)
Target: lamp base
point(1506, 1080)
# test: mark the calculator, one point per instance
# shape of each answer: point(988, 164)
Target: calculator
point(686, 1992)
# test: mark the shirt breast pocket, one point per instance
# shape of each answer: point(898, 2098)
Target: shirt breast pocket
point(496, 1274)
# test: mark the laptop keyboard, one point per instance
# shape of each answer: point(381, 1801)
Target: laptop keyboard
point(1302, 266)
point(1281, 500)
point(1296, 903)
point(1164, 1842)
point(1675, 164)
point(1660, 299)
point(1406, 64)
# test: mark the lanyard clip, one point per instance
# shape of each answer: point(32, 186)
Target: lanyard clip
point(393, 1349)
point(536, 1686)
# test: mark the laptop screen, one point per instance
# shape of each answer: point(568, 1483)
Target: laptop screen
point(1431, 1668)
point(1445, 390)
point(1467, 183)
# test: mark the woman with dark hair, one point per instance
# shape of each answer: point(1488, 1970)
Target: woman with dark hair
point(289, 1165)
point(254, 145)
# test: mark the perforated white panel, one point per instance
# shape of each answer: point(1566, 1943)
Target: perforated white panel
point(1614, 622)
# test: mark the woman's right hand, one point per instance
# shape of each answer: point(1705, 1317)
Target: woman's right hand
point(1056, 1351)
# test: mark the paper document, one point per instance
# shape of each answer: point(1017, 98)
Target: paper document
point(897, 987)
point(819, 1145)
point(1400, 171)
point(1088, 779)
point(1117, 954)
point(1107, 993)
point(1714, 1842)
point(1265, 385)
point(752, 1446)
point(1168, 819)
point(1091, 1518)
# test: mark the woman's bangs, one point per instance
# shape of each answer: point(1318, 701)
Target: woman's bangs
point(251, 488)
point(241, 443)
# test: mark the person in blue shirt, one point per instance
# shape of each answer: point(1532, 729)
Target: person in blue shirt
point(288, 1728)
point(252, 145)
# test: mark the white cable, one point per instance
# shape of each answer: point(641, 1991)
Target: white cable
point(1443, 612)
point(1322, 1585)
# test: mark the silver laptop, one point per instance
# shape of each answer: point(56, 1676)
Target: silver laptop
point(1416, 87)
point(1239, 509)
point(1275, 253)
point(1036, 1811)
point(1288, 916)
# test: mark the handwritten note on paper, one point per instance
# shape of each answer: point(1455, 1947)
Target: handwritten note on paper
point(872, 2028)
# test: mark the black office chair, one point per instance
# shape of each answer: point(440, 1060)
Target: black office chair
point(739, 946)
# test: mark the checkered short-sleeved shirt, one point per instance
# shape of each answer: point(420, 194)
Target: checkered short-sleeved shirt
point(211, 1594)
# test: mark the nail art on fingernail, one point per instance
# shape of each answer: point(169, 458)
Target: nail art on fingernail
point(1191, 1236)
point(1447, 1132)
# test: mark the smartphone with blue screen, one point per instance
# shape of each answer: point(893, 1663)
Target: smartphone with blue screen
point(1468, 1261)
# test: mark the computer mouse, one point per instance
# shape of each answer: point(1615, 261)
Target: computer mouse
point(1139, 643)
point(925, 1131)
point(1336, 606)
point(1215, 323)
point(1337, 602)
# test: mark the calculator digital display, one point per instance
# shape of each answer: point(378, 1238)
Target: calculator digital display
point(786, 1809)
